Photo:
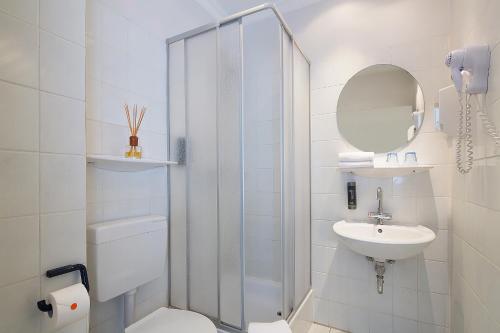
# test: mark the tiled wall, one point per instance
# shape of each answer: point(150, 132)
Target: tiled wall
point(42, 148)
point(125, 64)
point(262, 75)
point(413, 35)
point(476, 198)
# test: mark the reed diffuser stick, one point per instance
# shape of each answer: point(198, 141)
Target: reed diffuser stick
point(127, 112)
point(143, 111)
point(134, 132)
point(134, 123)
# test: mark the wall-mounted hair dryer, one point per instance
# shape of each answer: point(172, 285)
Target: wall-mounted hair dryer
point(469, 71)
point(474, 60)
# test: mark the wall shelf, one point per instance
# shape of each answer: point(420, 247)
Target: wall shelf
point(386, 171)
point(122, 164)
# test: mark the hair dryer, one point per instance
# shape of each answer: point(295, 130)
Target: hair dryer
point(470, 66)
point(476, 61)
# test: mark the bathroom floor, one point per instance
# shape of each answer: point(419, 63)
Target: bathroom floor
point(316, 328)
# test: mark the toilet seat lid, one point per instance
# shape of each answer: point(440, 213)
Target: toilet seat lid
point(166, 320)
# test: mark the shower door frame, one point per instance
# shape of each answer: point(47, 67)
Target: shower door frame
point(237, 17)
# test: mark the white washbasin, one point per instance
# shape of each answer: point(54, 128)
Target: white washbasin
point(384, 242)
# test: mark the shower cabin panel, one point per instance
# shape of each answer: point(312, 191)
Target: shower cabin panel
point(288, 176)
point(262, 108)
point(177, 179)
point(230, 174)
point(240, 198)
point(202, 175)
point(302, 184)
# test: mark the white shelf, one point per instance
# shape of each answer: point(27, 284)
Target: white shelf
point(122, 164)
point(385, 171)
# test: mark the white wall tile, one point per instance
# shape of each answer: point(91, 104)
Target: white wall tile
point(324, 153)
point(26, 10)
point(438, 249)
point(324, 127)
point(19, 313)
point(19, 183)
point(321, 233)
point(406, 273)
point(324, 100)
point(19, 56)
point(382, 303)
point(64, 18)
point(113, 27)
point(102, 311)
point(19, 248)
point(327, 180)
point(62, 125)
point(80, 326)
point(62, 66)
point(321, 311)
point(19, 128)
point(93, 63)
point(62, 239)
point(322, 258)
point(93, 137)
point(114, 64)
point(429, 328)
point(326, 207)
point(433, 308)
point(434, 212)
point(433, 276)
point(109, 326)
point(380, 323)
point(436, 182)
point(339, 314)
point(114, 139)
point(62, 183)
point(402, 325)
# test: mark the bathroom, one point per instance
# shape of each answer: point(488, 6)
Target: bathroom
point(239, 177)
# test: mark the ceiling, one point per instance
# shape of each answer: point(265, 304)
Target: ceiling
point(222, 8)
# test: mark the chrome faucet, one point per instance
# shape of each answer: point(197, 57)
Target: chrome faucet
point(380, 216)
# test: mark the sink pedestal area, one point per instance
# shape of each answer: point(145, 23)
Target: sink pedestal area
point(383, 243)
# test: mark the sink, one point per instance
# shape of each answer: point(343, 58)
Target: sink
point(384, 242)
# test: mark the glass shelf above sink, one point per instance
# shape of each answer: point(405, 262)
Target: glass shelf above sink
point(385, 171)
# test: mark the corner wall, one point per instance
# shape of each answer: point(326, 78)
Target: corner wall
point(476, 196)
point(126, 63)
point(341, 38)
point(42, 155)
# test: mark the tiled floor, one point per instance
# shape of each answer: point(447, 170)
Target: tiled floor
point(315, 328)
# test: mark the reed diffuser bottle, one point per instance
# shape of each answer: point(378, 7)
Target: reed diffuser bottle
point(133, 150)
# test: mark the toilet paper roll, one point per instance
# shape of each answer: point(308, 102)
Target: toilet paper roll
point(68, 305)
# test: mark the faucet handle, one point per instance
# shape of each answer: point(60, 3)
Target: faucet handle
point(380, 216)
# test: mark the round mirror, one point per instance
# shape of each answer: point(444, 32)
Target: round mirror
point(380, 109)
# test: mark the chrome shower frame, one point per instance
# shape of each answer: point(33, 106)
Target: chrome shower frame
point(237, 17)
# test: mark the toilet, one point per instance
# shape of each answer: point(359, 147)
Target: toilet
point(127, 253)
point(171, 320)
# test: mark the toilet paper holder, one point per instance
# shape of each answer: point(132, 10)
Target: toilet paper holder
point(42, 305)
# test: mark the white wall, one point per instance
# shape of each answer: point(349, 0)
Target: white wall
point(342, 37)
point(126, 63)
point(476, 197)
point(42, 155)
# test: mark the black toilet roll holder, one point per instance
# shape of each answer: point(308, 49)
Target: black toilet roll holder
point(42, 305)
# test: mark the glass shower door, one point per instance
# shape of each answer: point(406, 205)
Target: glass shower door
point(262, 115)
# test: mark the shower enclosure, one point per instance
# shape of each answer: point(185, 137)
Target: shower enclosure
point(239, 124)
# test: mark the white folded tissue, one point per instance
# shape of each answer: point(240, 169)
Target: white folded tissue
point(280, 326)
point(357, 156)
point(367, 164)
